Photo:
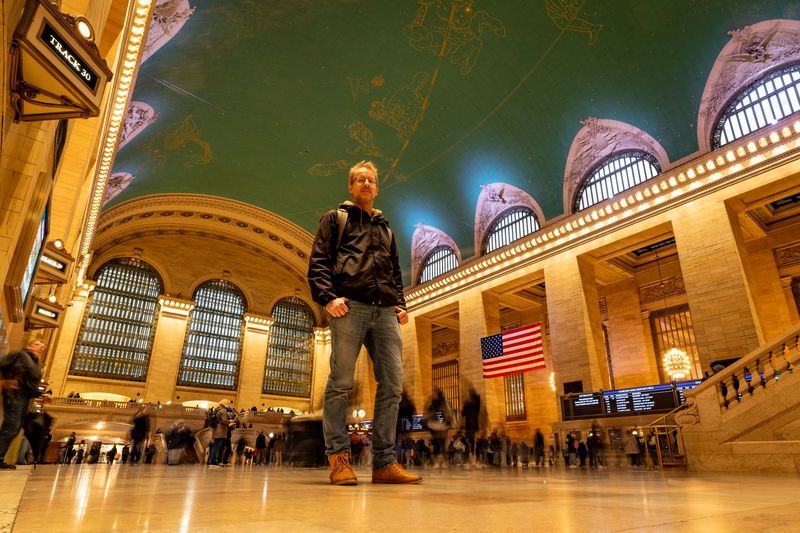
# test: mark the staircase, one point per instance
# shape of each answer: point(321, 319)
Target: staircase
point(747, 417)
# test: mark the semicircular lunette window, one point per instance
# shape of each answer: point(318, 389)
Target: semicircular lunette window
point(213, 346)
point(615, 174)
point(761, 104)
point(442, 259)
point(290, 353)
point(116, 335)
point(513, 225)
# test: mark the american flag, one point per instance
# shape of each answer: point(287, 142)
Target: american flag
point(512, 352)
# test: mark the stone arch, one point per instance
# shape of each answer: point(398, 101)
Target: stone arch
point(752, 52)
point(495, 199)
point(596, 141)
point(423, 242)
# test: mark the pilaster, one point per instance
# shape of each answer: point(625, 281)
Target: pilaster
point(627, 337)
point(61, 359)
point(322, 358)
point(165, 356)
point(254, 358)
point(719, 299)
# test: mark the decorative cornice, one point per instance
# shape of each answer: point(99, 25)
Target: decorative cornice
point(444, 348)
point(788, 256)
point(662, 289)
point(684, 183)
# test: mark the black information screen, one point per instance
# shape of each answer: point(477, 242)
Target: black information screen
point(588, 405)
point(683, 386)
point(639, 400)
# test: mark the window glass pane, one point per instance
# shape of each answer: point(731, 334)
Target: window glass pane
point(213, 345)
point(618, 173)
point(761, 104)
point(515, 397)
point(442, 259)
point(116, 335)
point(672, 328)
point(515, 224)
point(445, 377)
point(290, 353)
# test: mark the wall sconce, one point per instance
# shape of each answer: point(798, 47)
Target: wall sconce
point(56, 69)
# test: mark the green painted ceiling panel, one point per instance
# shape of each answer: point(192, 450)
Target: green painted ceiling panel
point(269, 102)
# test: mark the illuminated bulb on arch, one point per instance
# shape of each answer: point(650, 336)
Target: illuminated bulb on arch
point(677, 364)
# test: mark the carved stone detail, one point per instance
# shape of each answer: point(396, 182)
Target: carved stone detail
point(751, 52)
point(596, 141)
point(138, 117)
point(494, 200)
point(423, 242)
point(117, 182)
point(444, 348)
point(662, 289)
point(169, 16)
point(788, 256)
point(689, 416)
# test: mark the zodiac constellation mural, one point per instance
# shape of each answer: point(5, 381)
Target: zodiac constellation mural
point(453, 29)
point(565, 15)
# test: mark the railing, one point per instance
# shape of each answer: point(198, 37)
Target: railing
point(756, 371)
point(80, 402)
point(668, 448)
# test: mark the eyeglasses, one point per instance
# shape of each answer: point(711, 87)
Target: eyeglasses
point(362, 181)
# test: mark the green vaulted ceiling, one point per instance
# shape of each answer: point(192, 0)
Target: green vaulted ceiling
point(269, 102)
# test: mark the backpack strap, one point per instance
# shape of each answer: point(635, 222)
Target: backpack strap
point(341, 220)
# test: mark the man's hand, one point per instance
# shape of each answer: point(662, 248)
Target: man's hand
point(337, 307)
point(402, 316)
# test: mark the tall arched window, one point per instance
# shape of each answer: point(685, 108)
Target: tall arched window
point(618, 173)
point(762, 103)
point(290, 353)
point(213, 346)
point(513, 225)
point(116, 335)
point(441, 259)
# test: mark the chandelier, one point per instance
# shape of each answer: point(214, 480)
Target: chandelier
point(677, 364)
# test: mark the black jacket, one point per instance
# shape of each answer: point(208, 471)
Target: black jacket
point(23, 368)
point(365, 267)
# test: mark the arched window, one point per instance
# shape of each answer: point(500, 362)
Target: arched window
point(618, 173)
point(116, 335)
point(514, 224)
point(290, 353)
point(441, 259)
point(762, 103)
point(213, 345)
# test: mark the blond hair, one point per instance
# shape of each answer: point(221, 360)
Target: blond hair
point(362, 164)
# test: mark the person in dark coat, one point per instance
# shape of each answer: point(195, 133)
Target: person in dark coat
point(139, 432)
point(20, 376)
point(470, 414)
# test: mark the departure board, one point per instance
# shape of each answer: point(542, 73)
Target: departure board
point(653, 398)
point(588, 405)
point(650, 399)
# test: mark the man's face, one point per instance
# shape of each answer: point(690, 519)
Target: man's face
point(364, 186)
point(37, 348)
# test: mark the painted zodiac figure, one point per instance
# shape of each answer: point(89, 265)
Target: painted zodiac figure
point(400, 110)
point(564, 14)
point(454, 30)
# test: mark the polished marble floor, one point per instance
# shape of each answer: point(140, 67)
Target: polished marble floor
point(150, 498)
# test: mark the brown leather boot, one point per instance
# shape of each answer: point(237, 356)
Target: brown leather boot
point(394, 473)
point(341, 473)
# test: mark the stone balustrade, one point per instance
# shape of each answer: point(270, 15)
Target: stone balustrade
point(754, 372)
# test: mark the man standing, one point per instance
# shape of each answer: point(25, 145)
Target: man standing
point(20, 377)
point(354, 271)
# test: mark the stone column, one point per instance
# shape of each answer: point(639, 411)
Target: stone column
point(417, 360)
point(253, 361)
point(576, 334)
point(165, 356)
point(719, 299)
point(628, 338)
point(322, 358)
point(61, 354)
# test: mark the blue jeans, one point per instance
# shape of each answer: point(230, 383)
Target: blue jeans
point(216, 447)
point(15, 405)
point(376, 328)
